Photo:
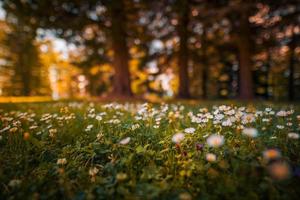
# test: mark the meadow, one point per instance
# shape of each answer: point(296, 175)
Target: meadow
point(79, 150)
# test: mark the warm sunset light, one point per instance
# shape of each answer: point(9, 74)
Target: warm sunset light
point(140, 99)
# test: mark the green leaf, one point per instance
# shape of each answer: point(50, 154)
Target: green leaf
point(139, 149)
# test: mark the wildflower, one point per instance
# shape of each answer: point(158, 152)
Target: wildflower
point(52, 132)
point(185, 196)
point(93, 171)
point(26, 136)
point(99, 117)
point(135, 126)
point(125, 141)
point(189, 130)
point(204, 110)
point(91, 115)
point(39, 133)
point(114, 121)
point(259, 113)
point(121, 176)
point(14, 182)
point(99, 136)
point(242, 108)
point(282, 113)
point(13, 129)
point(280, 126)
point(227, 123)
point(268, 109)
point(230, 112)
point(293, 136)
point(61, 161)
point(199, 147)
point(266, 120)
point(248, 118)
point(279, 170)
point(4, 129)
point(32, 127)
point(271, 154)
point(240, 127)
point(210, 157)
point(250, 132)
point(89, 127)
point(215, 140)
point(61, 170)
point(178, 137)
point(219, 116)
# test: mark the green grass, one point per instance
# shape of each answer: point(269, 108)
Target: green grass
point(150, 165)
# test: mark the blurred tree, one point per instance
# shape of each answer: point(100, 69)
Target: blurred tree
point(242, 34)
point(6, 66)
point(23, 52)
point(215, 47)
point(83, 22)
point(119, 45)
point(59, 77)
point(183, 7)
point(280, 31)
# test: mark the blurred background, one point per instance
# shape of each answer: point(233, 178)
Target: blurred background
point(216, 49)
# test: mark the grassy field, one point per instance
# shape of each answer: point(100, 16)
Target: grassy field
point(73, 150)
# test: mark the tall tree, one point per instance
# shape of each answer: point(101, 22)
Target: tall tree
point(72, 20)
point(121, 83)
point(292, 62)
point(243, 42)
point(20, 41)
point(281, 24)
point(183, 53)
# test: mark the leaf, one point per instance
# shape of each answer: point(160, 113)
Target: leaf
point(139, 149)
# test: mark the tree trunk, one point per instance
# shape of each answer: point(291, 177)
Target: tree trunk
point(204, 82)
point(122, 83)
point(25, 76)
point(183, 50)
point(292, 47)
point(245, 72)
point(268, 65)
point(25, 67)
point(205, 65)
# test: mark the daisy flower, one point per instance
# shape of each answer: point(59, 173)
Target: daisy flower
point(210, 157)
point(125, 141)
point(250, 132)
point(178, 137)
point(215, 140)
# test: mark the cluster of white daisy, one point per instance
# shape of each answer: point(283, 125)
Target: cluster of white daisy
point(247, 121)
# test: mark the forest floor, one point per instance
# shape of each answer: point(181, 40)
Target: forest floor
point(175, 150)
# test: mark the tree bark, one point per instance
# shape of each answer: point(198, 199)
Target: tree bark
point(26, 78)
point(25, 56)
point(122, 83)
point(245, 65)
point(205, 65)
point(292, 47)
point(268, 65)
point(183, 50)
